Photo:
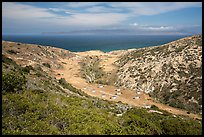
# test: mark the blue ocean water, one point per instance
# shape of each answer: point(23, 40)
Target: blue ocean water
point(104, 43)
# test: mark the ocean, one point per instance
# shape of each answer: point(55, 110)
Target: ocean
point(104, 43)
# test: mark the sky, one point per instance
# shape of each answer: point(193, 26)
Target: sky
point(134, 18)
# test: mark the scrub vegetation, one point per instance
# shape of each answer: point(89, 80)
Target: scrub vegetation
point(35, 103)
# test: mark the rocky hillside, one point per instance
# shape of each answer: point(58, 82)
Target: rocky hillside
point(36, 103)
point(172, 73)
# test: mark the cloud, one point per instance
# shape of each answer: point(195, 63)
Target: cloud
point(15, 10)
point(132, 8)
point(61, 10)
point(26, 16)
point(97, 19)
point(149, 27)
point(83, 4)
point(56, 9)
point(134, 24)
point(85, 15)
point(100, 9)
point(160, 28)
point(153, 8)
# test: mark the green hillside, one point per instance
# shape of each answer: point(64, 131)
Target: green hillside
point(35, 103)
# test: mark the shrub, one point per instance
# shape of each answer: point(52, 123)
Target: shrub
point(177, 104)
point(39, 74)
point(63, 82)
point(154, 107)
point(176, 126)
point(199, 42)
point(8, 60)
point(37, 91)
point(64, 62)
point(137, 125)
point(47, 65)
point(12, 52)
point(13, 82)
point(27, 69)
point(66, 85)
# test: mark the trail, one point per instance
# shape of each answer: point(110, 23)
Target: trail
point(71, 73)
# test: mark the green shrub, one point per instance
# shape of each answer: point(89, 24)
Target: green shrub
point(8, 60)
point(39, 74)
point(199, 42)
point(66, 85)
point(12, 81)
point(47, 65)
point(63, 82)
point(12, 52)
point(177, 104)
point(27, 69)
point(135, 124)
point(179, 49)
point(177, 126)
point(154, 107)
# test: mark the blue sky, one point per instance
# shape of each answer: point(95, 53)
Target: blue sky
point(156, 18)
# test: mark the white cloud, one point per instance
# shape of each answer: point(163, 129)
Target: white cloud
point(20, 15)
point(134, 24)
point(160, 28)
point(97, 19)
point(149, 27)
point(56, 9)
point(68, 12)
point(63, 10)
point(153, 8)
point(79, 15)
point(98, 9)
point(15, 10)
point(82, 4)
point(103, 9)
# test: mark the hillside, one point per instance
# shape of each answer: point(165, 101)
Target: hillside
point(171, 73)
point(49, 90)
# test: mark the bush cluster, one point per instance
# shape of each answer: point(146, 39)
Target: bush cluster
point(12, 81)
point(47, 65)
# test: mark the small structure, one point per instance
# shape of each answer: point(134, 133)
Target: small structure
point(101, 86)
point(103, 95)
point(174, 115)
point(136, 97)
point(147, 106)
point(85, 88)
point(138, 92)
point(155, 111)
point(119, 115)
point(93, 91)
point(113, 97)
point(117, 90)
point(147, 91)
point(118, 93)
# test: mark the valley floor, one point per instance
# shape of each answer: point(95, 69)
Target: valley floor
point(71, 73)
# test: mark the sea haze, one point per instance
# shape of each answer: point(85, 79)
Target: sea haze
point(104, 43)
